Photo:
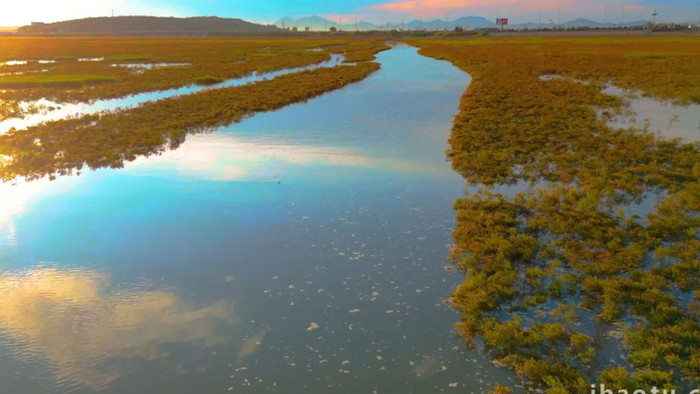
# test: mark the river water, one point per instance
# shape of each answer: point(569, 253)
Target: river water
point(301, 250)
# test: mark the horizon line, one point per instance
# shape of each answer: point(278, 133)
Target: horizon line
point(272, 21)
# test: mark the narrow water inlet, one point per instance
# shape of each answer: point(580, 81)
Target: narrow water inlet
point(52, 110)
point(664, 119)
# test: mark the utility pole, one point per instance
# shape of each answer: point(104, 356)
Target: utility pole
point(539, 21)
point(622, 17)
point(605, 10)
point(447, 21)
point(356, 24)
point(403, 22)
point(382, 25)
point(653, 18)
point(112, 12)
point(559, 20)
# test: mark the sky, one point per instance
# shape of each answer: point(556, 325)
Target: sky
point(269, 11)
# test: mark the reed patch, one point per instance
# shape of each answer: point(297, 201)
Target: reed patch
point(566, 269)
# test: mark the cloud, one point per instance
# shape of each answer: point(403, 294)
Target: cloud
point(635, 7)
point(435, 7)
point(413, 6)
point(24, 12)
point(428, 6)
point(250, 345)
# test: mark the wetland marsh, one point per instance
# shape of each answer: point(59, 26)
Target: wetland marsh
point(563, 284)
point(293, 251)
point(288, 228)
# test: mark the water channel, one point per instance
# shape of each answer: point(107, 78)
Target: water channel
point(299, 251)
point(55, 111)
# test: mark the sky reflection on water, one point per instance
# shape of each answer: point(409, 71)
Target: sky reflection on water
point(661, 118)
point(68, 317)
point(324, 226)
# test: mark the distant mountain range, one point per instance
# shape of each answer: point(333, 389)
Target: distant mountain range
point(582, 22)
point(142, 25)
point(575, 24)
point(317, 23)
point(465, 22)
point(151, 25)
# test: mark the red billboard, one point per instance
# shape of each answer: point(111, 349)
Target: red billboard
point(501, 21)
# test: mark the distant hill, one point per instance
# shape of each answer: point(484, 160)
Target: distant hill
point(317, 23)
point(582, 22)
point(140, 25)
point(466, 22)
point(313, 22)
point(473, 22)
point(636, 23)
point(435, 24)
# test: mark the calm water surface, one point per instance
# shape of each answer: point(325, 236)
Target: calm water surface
point(661, 118)
point(298, 251)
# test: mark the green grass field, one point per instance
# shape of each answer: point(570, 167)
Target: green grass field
point(54, 70)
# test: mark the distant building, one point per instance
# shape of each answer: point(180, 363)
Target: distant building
point(37, 24)
point(307, 28)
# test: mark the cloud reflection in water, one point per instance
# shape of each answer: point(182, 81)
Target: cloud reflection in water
point(224, 157)
point(67, 317)
point(16, 196)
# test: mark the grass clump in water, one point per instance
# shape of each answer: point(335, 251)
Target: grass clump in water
point(39, 80)
point(550, 270)
point(208, 80)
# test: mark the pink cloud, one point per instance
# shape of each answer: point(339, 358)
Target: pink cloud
point(418, 5)
point(434, 6)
